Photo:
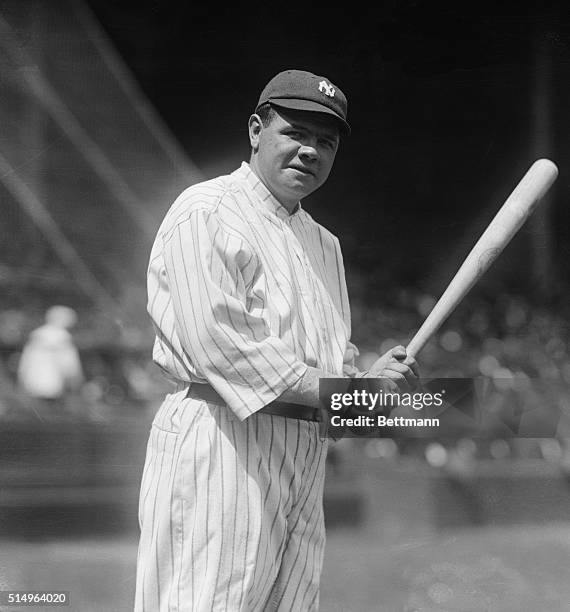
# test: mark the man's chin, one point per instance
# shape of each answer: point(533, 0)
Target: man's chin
point(299, 192)
point(302, 183)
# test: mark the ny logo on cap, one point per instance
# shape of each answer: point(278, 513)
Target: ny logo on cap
point(327, 88)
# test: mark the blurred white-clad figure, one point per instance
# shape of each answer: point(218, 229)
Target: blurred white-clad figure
point(50, 365)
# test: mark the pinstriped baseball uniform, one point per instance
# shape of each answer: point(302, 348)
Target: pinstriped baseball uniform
point(243, 296)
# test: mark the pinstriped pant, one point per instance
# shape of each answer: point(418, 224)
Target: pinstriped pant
point(230, 512)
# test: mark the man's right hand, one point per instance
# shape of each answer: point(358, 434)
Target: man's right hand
point(397, 367)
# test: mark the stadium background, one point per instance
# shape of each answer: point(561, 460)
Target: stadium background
point(107, 113)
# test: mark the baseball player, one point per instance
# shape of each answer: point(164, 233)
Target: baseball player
point(248, 298)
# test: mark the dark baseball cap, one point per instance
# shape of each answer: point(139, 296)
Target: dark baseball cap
point(305, 91)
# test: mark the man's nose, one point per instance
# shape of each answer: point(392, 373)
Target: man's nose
point(308, 151)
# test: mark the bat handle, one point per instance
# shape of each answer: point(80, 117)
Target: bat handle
point(429, 327)
point(416, 344)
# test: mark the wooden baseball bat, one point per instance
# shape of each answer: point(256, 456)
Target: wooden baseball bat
point(514, 212)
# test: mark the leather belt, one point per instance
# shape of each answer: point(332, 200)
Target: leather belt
point(283, 409)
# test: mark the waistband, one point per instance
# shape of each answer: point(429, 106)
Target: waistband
point(283, 409)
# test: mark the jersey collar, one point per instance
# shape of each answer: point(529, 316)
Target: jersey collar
point(269, 201)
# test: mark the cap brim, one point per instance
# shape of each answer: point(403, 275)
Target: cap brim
point(313, 107)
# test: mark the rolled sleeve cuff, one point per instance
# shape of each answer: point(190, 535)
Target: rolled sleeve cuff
point(246, 400)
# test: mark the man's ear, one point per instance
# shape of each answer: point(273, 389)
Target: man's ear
point(255, 127)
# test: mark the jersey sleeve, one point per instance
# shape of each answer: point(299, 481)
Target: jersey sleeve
point(209, 268)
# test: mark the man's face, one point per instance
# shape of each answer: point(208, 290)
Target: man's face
point(294, 154)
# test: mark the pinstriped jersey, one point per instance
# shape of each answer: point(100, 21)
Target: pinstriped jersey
point(244, 295)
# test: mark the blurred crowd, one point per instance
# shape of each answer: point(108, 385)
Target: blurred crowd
point(60, 363)
point(505, 337)
point(517, 343)
point(500, 336)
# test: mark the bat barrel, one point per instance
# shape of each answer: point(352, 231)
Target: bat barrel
point(516, 209)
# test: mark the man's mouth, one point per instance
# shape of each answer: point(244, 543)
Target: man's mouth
point(303, 170)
